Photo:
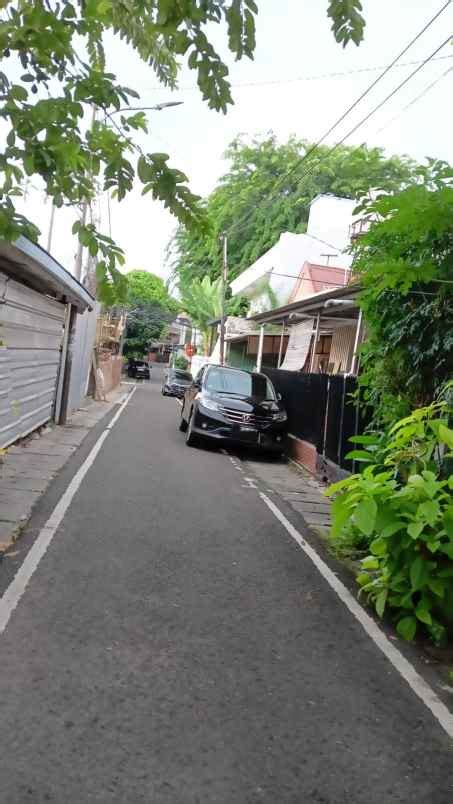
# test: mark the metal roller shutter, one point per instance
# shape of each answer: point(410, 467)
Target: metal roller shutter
point(31, 331)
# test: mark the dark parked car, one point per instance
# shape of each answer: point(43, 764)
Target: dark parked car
point(176, 382)
point(138, 369)
point(227, 404)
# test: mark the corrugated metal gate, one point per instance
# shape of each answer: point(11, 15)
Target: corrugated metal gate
point(31, 330)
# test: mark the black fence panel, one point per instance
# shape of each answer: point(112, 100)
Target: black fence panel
point(333, 428)
point(321, 410)
point(304, 397)
point(352, 423)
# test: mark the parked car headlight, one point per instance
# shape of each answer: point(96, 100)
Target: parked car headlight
point(281, 416)
point(209, 404)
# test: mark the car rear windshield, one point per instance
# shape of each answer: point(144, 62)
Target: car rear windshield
point(181, 375)
point(240, 383)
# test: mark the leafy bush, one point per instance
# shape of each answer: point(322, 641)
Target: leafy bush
point(404, 264)
point(181, 362)
point(400, 509)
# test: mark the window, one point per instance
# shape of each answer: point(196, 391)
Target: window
point(239, 383)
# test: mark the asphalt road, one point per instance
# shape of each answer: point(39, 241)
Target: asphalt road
point(174, 645)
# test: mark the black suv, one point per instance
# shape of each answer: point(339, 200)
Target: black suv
point(138, 369)
point(228, 404)
point(176, 382)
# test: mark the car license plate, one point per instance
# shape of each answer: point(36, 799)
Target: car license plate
point(245, 429)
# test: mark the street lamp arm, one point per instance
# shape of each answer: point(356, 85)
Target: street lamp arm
point(157, 108)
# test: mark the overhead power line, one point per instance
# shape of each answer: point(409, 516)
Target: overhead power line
point(378, 79)
point(392, 93)
point(416, 99)
point(365, 119)
point(306, 78)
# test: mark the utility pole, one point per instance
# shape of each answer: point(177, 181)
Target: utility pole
point(222, 309)
point(79, 257)
point(51, 225)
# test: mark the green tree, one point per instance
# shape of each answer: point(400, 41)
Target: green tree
point(150, 309)
point(58, 71)
point(144, 287)
point(202, 301)
point(266, 192)
point(405, 266)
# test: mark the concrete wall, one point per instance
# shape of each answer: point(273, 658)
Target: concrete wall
point(84, 338)
point(111, 367)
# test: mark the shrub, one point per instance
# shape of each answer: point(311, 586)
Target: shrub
point(400, 510)
point(181, 362)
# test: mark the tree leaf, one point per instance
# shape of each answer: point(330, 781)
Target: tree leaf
point(378, 547)
point(418, 573)
point(423, 614)
point(448, 521)
point(429, 510)
point(407, 628)
point(414, 529)
point(365, 515)
point(381, 601)
point(359, 455)
point(370, 563)
point(446, 435)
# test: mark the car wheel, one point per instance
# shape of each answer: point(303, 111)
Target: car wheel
point(191, 438)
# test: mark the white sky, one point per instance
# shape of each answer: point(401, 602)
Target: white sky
point(293, 41)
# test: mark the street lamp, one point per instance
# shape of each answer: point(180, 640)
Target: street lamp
point(157, 108)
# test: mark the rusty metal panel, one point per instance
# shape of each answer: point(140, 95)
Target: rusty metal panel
point(342, 349)
point(31, 329)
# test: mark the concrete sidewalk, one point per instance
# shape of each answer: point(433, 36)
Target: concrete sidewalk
point(297, 487)
point(28, 468)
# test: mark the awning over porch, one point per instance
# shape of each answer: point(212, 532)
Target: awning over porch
point(325, 331)
point(337, 305)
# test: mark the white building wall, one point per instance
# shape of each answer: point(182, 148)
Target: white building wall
point(327, 234)
point(330, 220)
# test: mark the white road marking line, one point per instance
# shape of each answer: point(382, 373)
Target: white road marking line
point(417, 684)
point(18, 585)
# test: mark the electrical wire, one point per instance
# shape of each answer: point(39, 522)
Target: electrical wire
point(303, 78)
point(378, 79)
point(393, 92)
point(354, 129)
point(416, 99)
point(367, 91)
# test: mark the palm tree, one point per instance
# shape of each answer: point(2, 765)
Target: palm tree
point(202, 301)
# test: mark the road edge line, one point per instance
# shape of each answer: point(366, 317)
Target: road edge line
point(14, 592)
point(406, 670)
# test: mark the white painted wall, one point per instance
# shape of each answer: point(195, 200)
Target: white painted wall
point(329, 220)
point(327, 233)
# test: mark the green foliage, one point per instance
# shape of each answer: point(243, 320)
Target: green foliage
point(143, 287)
point(150, 309)
point(181, 362)
point(348, 23)
point(202, 301)
point(400, 510)
point(264, 194)
point(404, 265)
point(44, 109)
